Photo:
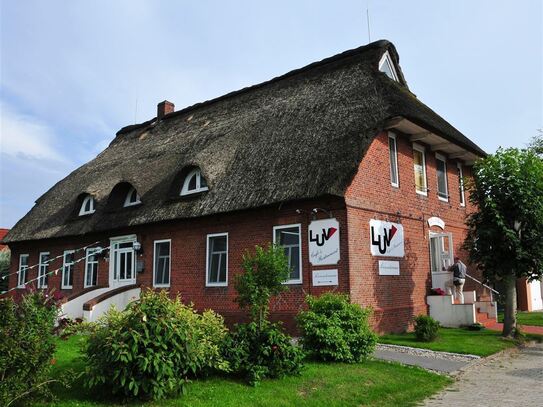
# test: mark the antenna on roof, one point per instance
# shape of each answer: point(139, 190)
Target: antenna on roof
point(368, 21)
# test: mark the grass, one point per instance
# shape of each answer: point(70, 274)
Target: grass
point(372, 383)
point(457, 340)
point(526, 318)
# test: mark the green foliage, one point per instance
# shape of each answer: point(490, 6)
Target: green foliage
point(536, 144)
point(257, 352)
point(5, 257)
point(505, 235)
point(333, 329)
point(26, 347)
point(265, 273)
point(152, 348)
point(426, 328)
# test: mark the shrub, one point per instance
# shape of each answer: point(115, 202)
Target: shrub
point(333, 329)
point(256, 353)
point(152, 348)
point(26, 347)
point(426, 328)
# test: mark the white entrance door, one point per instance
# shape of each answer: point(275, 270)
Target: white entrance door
point(535, 291)
point(441, 257)
point(122, 261)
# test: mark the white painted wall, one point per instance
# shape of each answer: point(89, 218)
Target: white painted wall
point(448, 314)
point(74, 309)
point(536, 291)
point(120, 300)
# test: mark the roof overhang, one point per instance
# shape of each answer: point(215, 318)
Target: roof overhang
point(437, 143)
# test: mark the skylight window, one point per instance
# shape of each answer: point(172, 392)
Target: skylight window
point(194, 183)
point(387, 67)
point(87, 207)
point(132, 198)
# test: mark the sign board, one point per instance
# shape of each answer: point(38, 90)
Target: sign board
point(324, 242)
point(435, 221)
point(389, 268)
point(386, 238)
point(325, 277)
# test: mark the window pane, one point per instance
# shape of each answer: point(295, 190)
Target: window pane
point(295, 264)
point(461, 185)
point(420, 181)
point(203, 183)
point(192, 183)
point(387, 69)
point(218, 244)
point(222, 268)
point(162, 263)
point(393, 160)
point(441, 178)
point(287, 237)
point(214, 268)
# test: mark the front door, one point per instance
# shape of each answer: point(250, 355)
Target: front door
point(537, 300)
point(441, 258)
point(122, 261)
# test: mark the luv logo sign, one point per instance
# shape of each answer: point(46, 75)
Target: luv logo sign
point(324, 242)
point(386, 238)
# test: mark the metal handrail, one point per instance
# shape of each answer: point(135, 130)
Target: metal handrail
point(484, 285)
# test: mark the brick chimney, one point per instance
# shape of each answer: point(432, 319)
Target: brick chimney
point(164, 108)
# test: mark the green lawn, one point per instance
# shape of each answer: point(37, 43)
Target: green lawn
point(458, 340)
point(372, 383)
point(526, 318)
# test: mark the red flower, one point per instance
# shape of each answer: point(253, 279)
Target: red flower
point(53, 361)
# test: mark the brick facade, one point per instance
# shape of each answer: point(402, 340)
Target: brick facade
point(395, 299)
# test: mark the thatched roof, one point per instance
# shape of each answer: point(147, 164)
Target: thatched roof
point(298, 136)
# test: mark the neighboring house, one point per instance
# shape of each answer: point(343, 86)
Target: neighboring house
point(180, 198)
point(529, 295)
point(4, 261)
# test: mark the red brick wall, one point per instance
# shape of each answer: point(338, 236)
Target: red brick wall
point(396, 299)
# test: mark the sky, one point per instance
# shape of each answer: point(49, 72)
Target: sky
point(72, 73)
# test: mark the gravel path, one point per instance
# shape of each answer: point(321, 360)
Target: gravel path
point(513, 378)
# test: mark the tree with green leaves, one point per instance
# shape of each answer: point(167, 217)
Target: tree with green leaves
point(505, 237)
point(536, 144)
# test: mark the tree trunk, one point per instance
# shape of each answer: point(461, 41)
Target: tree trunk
point(510, 314)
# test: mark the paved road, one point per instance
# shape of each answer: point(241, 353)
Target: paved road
point(510, 379)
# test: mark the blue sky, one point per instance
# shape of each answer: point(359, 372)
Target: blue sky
point(73, 72)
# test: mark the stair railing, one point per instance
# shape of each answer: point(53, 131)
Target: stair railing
point(484, 285)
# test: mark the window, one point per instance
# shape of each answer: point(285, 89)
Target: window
point(461, 184)
point(217, 260)
point(419, 162)
point(67, 269)
point(161, 271)
point(387, 67)
point(194, 182)
point(288, 237)
point(43, 276)
point(23, 267)
point(442, 187)
point(132, 198)
point(393, 153)
point(91, 266)
point(87, 207)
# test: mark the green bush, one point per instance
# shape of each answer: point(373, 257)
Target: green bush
point(426, 328)
point(26, 347)
point(152, 348)
point(267, 352)
point(333, 329)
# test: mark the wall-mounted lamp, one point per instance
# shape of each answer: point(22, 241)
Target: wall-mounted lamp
point(137, 247)
point(315, 210)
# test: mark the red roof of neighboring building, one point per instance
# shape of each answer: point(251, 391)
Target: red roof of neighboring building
point(3, 232)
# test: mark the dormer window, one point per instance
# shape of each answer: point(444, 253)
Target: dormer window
point(387, 67)
point(87, 207)
point(194, 182)
point(132, 198)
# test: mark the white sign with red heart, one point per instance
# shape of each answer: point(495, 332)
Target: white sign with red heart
point(324, 242)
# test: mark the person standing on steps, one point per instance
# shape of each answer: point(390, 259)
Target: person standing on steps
point(459, 278)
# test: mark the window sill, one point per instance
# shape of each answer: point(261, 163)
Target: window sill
point(216, 285)
point(68, 287)
point(293, 282)
point(161, 286)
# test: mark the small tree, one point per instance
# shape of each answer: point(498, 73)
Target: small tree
point(5, 256)
point(265, 273)
point(505, 236)
point(536, 144)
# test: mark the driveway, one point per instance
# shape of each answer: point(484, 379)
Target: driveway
point(513, 378)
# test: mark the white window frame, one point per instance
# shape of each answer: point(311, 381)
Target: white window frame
point(91, 210)
point(199, 188)
point(422, 150)
point(44, 276)
point(209, 237)
point(461, 184)
point(386, 59)
point(89, 252)
point(442, 158)
point(127, 201)
point(64, 264)
point(169, 241)
point(392, 136)
point(22, 272)
point(299, 227)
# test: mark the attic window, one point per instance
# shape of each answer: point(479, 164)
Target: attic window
point(194, 182)
point(132, 198)
point(87, 207)
point(387, 67)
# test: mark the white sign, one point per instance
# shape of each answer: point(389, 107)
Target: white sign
point(389, 268)
point(435, 221)
point(386, 238)
point(325, 277)
point(324, 242)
